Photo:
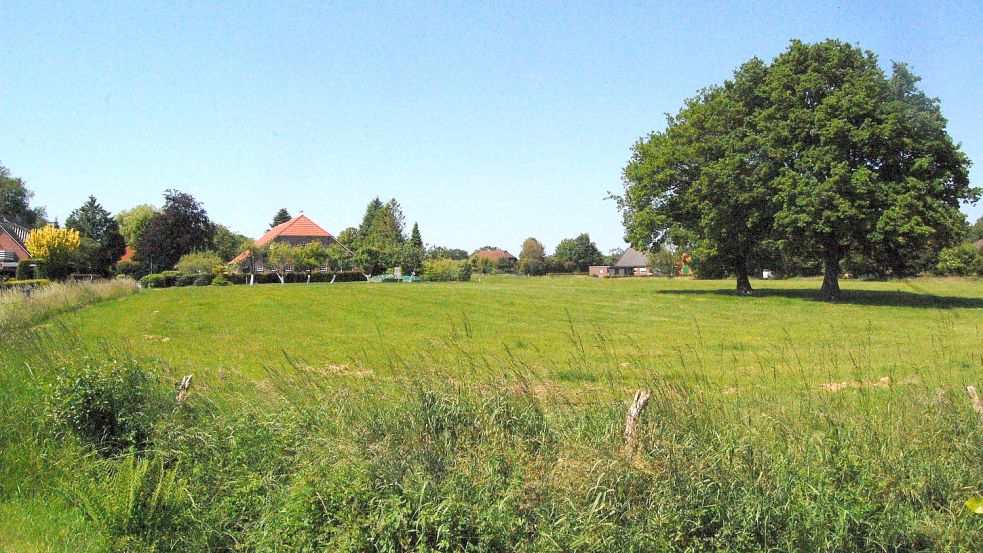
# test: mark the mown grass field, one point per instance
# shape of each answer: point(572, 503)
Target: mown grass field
point(563, 330)
point(488, 416)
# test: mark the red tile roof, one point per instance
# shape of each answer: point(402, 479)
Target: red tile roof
point(128, 255)
point(300, 227)
point(494, 254)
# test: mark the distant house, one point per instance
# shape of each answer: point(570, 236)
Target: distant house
point(298, 231)
point(12, 247)
point(631, 263)
point(499, 256)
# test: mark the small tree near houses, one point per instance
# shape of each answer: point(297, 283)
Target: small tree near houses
point(280, 258)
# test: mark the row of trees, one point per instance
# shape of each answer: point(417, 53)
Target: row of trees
point(815, 158)
point(572, 255)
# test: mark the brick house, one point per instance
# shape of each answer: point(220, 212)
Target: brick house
point(298, 231)
point(631, 263)
point(502, 258)
point(12, 248)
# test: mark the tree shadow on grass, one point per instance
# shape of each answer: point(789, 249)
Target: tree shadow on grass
point(879, 298)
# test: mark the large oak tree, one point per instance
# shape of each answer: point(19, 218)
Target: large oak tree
point(819, 152)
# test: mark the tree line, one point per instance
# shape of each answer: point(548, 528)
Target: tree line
point(811, 162)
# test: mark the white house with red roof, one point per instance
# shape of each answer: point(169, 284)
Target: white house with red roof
point(298, 231)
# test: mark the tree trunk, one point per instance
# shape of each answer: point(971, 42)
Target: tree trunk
point(743, 282)
point(831, 275)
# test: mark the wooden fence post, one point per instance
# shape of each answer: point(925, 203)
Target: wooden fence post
point(182, 389)
point(638, 404)
point(975, 400)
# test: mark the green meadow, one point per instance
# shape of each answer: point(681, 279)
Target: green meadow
point(488, 416)
point(563, 330)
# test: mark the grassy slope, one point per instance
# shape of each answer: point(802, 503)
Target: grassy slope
point(639, 328)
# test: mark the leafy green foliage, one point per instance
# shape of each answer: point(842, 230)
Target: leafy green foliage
point(440, 252)
point(112, 407)
point(15, 201)
point(102, 243)
point(818, 153)
point(132, 222)
point(228, 244)
point(446, 270)
point(577, 254)
point(961, 260)
point(25, 270)
point(379, 242)
point(199, 263)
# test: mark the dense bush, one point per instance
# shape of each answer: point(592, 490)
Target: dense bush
point(203, 280)
point(25, 271)
point(184, 280)
point(446, 270)
point(112, 406)
point(199, 263)
point(220, 281)
point(132, 269)
point(961, 260)
point(155, 280)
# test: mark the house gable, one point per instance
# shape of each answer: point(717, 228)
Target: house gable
point(13, 238)
point(296, 232)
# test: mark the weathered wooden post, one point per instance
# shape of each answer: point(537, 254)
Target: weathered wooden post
point(974, 398)
point(638, 404)
point(182, 389)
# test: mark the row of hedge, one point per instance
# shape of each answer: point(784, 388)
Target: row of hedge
point(294, 278)
point(169, 279)
point(22, 284)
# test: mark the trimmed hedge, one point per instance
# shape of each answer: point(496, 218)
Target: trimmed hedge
point(173, 279)
point(293, 278)
point(31, 283)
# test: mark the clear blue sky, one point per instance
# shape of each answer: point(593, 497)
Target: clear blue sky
point(488, 123)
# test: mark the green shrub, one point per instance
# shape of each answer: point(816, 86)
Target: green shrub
point(184, 280)
point(961, 260)
point(220, 281)
point(113, 407)
point(199, 262)
point(464, 272)
point(132, 269)
point(446, 270)
point(154, 281)
point(203, 280)
point(25, 271)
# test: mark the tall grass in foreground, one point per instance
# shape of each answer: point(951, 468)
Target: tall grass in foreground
point(324, 462)
point(20, 309)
